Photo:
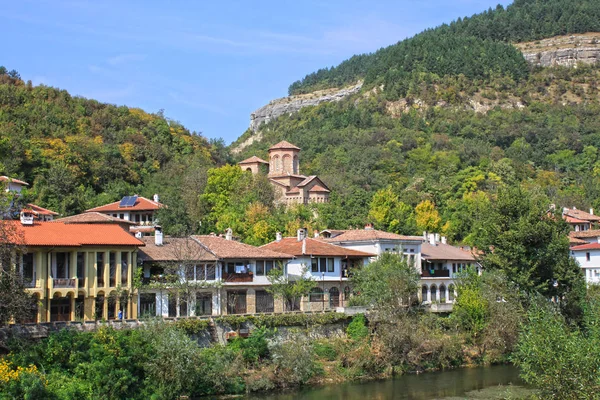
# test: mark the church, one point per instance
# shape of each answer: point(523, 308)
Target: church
point(284, 174)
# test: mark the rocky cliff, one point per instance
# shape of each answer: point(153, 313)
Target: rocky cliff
point(565, 51)
point(291, 104)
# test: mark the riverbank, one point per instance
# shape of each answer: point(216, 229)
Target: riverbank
point(162, 360)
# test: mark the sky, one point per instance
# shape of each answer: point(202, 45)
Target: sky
point(207, 64)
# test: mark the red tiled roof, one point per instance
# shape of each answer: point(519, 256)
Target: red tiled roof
point(573, 220)
point(231, 249)
point(141, 204)
point(41, 210)
point(294, 190)
point(284, 145)
point(573, 241)
point(71, 235)
point(591, 233)
point(444, 252)
point(589, 246)
point(252, 160)
point(5, 178)
point(93, 218)
point(318, 188)
point(357, 235)
point(581, 215)
point(175, 249)
point(313, 247)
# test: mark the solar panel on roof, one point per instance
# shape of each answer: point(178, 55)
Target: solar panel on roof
point(132, 201)
point(124, 201)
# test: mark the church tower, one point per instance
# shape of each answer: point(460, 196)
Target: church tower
point(283, 159)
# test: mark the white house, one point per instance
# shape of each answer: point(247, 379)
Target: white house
point(12, 184)
point(588, 257)
point(328, 264)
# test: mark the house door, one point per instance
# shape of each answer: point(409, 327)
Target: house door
point(236, 302)
point(60, 309)
point(334, 297)
point(265, 302)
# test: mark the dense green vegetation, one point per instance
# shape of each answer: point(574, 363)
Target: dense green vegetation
point(381, 162)
point(475, 47)
point(78, 153)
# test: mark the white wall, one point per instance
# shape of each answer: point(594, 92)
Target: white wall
point(590, 268)
point(296, 266)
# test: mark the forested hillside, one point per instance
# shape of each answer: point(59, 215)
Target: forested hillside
point(439, 128)
point(477, 47)
point(78, 153)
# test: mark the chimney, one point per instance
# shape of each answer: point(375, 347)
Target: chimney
point(26, 217)
point(228, 234)
point(301, 234)
point(368, 227)
point(574, 208)
point(432, 239)
point(278, 237)
point(592, 211)
point(158, 236)
point(437, 237)
point(316, 234)
point(155, 197)
point(565, 210)
point(444, 240)
point(139, 235)
point(425, 235)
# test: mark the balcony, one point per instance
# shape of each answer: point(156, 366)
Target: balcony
point(63, 283)
point(237, 278)
point(435, 273)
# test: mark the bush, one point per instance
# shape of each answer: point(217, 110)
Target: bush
point(253, 348)
point(357, 329)
point(294, 361)
point(325, 350)
point(219, 371)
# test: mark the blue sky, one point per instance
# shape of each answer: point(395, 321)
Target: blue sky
point(207, 64)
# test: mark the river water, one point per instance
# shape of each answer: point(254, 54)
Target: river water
point(496, 382)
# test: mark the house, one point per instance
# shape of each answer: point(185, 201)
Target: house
point(328, 264)
point(588, 257)
point(75, 271)
point(580, 220)
point(224, 276)
point(284, 174)
point(12, 184)
point(440, 265)
point(137, 209)
point(375, 241)
point(41, 213)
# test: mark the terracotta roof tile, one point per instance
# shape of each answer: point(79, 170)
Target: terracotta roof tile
point(253, 159)
point(5, 178)
point(356, 235)
point(73, 235)
point(573, 220)
point(284, 145)
point(93, 218)
point(315, 247)
point(142, 204)
point(41, 210)
point(445, 252)
point(589, 246)
point(174, 249)
point(591, 233)
point(573, 241)
point(231, 249)
point(579, 214)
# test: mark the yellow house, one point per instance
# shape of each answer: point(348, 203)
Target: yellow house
point(76, 271)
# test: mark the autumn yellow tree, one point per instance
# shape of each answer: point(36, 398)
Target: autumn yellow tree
point(427, 216)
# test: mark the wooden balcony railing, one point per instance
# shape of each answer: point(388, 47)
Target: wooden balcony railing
point(236, 278)
point(436, 273)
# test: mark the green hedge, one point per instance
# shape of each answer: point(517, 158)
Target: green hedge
point(275, 320)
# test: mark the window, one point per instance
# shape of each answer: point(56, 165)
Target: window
point(316, 295)
point(122, 216)
point(264, 302)
point(112, 257)
point(62, 265)
point(189, 271)
point(81, 268)
point(28, 269)
point(100, 268)
point(204, 304)
point(587, 257)
point(124, 267)
point(260, 267)
point(99, 310)
point(147, 304)
point(210, 272)
point(322, 265)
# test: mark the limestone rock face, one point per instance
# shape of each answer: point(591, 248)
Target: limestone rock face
point(566, 51)
point(291, 104)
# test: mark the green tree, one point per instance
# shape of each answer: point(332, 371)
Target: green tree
point(427, 217)
point(288, 288)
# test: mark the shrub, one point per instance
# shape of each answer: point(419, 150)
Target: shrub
point(294, 361)
point(253, 348)
point(325, 350)
point(357, 329)
point(219, 371)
